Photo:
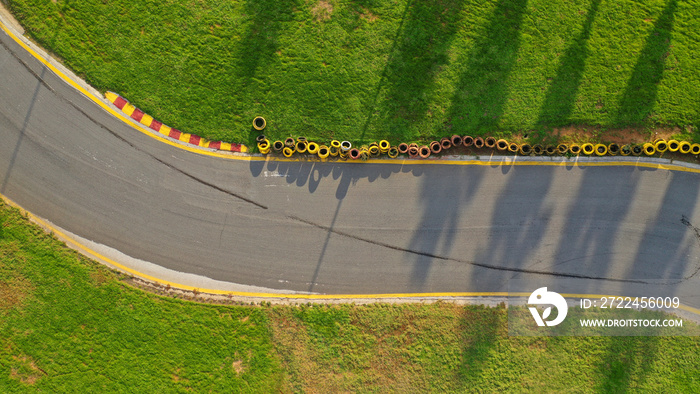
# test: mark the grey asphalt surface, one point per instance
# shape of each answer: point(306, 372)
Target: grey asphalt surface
point(339, 227)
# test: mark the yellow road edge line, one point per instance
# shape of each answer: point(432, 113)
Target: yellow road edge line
point(97, 256)
point(227, 155)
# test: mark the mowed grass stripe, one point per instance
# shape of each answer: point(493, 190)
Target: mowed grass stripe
point(398, 70)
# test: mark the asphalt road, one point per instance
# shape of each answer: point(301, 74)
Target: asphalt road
point(340, 227)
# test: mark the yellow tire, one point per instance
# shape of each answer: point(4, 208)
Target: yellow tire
point(312, 148)
point(601, 150)
point(525, 149)
point(384, 146)
point(684, 147)
point(335, 144)
point(513, 147)
point(575, 149)
point(259, 123)
point(587, 149)
point(300, 146)
point(287, 151)
point(673, 146)
point(661, 146)
point(334, 151)
point(393, 152)
point(695, 149)
point(374, 150)
point(650, 149)
point(626, 150)
point(502, 144)
point(323, 152)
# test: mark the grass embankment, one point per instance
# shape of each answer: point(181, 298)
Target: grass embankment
point(70, 325)
point(398, 70)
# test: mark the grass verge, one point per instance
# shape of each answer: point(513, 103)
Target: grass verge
point(382, 69)
point(70, 325)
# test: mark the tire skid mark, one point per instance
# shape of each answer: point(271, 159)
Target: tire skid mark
point(443, 258)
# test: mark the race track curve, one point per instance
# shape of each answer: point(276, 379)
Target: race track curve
point(340, 228)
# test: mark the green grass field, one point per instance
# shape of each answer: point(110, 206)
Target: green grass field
point(67, 324)
point(403, 70)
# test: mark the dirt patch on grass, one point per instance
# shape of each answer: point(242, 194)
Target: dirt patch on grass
point(368, 16)
point(322, 11)
point(26, 370)
point(621, 136)
point(238, 367)
point(14, 291)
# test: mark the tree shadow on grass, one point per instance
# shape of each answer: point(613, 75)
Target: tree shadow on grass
point(639, 97)
point(561, 94)
point(418, 54)
point(481, 92)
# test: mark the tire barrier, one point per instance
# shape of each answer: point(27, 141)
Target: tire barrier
point(259, 123)
point(490, 142)
point(661, 146)
point(637, 150)
point(290, 142)
point(562, 149)
point(384, 146)
point(673, 146)
point(312, 148)
point(502, 144)
point(424, 152)
point(354, 153)
point(467, 141)
point(513, 147)
point(345, 146)
point(695, 149)
point(650, 149)
point(287, 152)
point(403, 148)
point(333, 151)
point(614, 149)
point(445, 143)
point(684, 147)
point(335, 144)
point(260, 138)
point(575, 149)
point(525, 149)
point(323, 152)
point(277, 146)
point(435, 147)
point(587, 149)
point(456, 140)
point(478, 142)
point(601, 150)
point(550, 150)
point(537, 150)
point(626, 150)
